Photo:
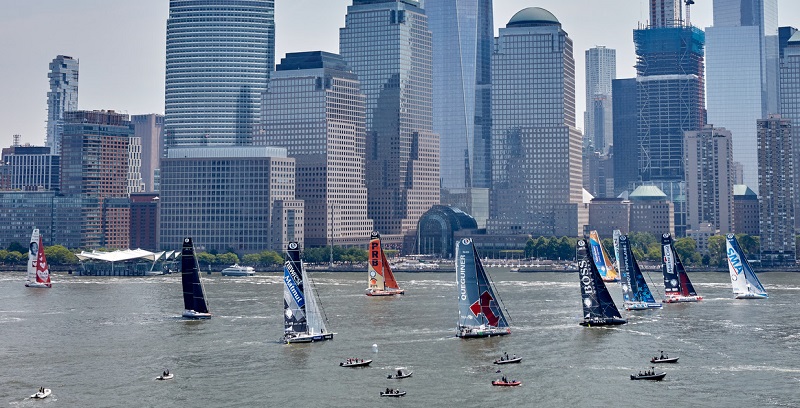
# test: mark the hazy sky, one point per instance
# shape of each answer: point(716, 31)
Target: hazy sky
point(121, 46)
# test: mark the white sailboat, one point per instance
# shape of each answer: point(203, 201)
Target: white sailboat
point(38, 269)
point(302, 317)
point(743, 279)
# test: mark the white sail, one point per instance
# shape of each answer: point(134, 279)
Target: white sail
point(744, 281)
point(616, 235)
point(32, 254)
point(314, 320)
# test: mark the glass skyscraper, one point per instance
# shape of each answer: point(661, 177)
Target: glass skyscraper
point(63, 97)
point(463, 37)
point(601, 69)
point(388, 45)
point(536, 148)
point(314, 108)
point(790, 99)
point(219, 55)
point(742, 56)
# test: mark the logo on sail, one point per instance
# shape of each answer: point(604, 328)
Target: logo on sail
point(483, 305)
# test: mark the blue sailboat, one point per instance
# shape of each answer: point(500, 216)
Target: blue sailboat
point(303, 321)
point(480, 313)
point(194, 298)
point(743, 279)
point(636, 294)
point(598, 306)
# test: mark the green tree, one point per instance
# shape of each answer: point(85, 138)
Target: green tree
point(716, 251)
point(17, 247)
point(228, 258)
point(60, 255)
point(205, 259)
point(251, 260)
point(751, 245)
point(687, 250)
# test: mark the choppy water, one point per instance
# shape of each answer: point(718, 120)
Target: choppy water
point(101, 341)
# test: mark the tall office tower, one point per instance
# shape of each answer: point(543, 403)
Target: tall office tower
point(670, 101)
point(31, 168)
point(666, 13)
point(314, 108)
point(709, 179)
point(149, 129)
point(536, 148)
point(463, 37)
point(742, 49)
point(601, 69)
point(777, 180)
point(388, 45)
point(626, 142)
point(784, 35)
point(95, 163)
point(63, 97)
point(219, 55)
point(790, 98)
point(229, 197)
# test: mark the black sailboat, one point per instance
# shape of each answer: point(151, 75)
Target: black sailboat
point(598, 306)
point(194, 300)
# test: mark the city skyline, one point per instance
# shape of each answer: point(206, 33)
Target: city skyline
point(122, 46)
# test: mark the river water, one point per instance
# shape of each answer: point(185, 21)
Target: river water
point(101, 341)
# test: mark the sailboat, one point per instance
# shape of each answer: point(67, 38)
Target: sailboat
point(479, 310)
point(598, 306)
point(380, 277)
point(38, 269)
point(677, 286)
point(636, 294)
point(302, 318)
point(743, 279)
point(194, 299)
point(601, 260)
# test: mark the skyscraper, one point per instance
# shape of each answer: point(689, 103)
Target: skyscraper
point(387, 44)
point(670, 101)
point(776, 201)
point(626, 142)
point(742, 74)
point(665, 13)
point(601, 69)
point(63, 97)
point(462, 39)
point(219, 55)
point(536, 148)
point(149, 129)
point(709, 179)
point(314, 108)
point(790, 99)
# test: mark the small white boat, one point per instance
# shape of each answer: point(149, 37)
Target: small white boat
point(163, 377)
point(42, 394)
point(238, 270)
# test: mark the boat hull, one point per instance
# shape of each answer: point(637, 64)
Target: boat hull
point(38, 285)
point(165, 377)
point(506, 384)
point(399, 377)
point(474, 333)
point(42, 395)
point(358, 364)
point(509, 361)
point(750, 296)
point(682, 299)
point(641, 305)
point(308, 338)
point(654, 377)
point(386, 292)
point(192, 315)
point(603, 322)
point(393, 394)
point(664, 360)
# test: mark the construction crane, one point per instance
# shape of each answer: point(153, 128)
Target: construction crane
point(688, 11)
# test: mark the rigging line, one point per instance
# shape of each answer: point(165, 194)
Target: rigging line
point(316, 297)
point(663, 293)
point(497, 294)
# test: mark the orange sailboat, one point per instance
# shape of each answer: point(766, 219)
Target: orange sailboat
point(381, 279)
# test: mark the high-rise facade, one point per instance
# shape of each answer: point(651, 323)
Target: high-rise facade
point(387, 44)
point(776, 201)
point(598, 124)
point(96, 163)
point(62, 97)
point(219, 55)
point(670, 100)
point(32, 168)
point(462, 39)
point(229, 197)
point(315, 109)
point(626, 142)
point(790, 98)
point(709, 179)
point(536, 148)
point(742, 74)
point(666, 13)
point(149, 129)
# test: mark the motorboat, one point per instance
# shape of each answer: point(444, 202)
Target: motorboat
point(656, 360)
point(238, 270)
point(41, 394)
point(163, 377)
point(507, 360)
point(400, 375)
point(501, 383)
point(355, 363)
point(393, 393)
point(651, 377)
